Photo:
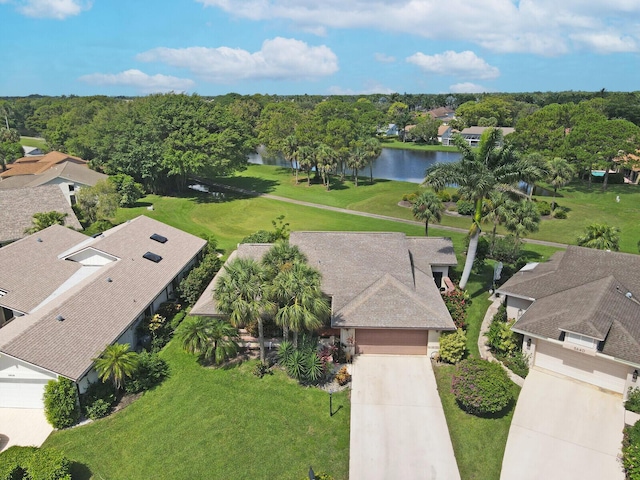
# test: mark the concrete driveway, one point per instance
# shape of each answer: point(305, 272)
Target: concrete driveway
point(398, 428)
point(564, 429)
point(23, 426)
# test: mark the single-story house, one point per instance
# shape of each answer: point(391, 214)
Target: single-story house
point(472, 135)
point(579, 313)
point(68, 176)
point(36, 164)
point(64, 297)
point(384, 287)
point(18, 205)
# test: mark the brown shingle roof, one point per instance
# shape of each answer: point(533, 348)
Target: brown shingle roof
point(34, 165)
point(18, 205)
point(97, 311)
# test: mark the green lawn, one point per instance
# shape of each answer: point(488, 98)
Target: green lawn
point(395, 143)
point(214, 423)
point(34, 142)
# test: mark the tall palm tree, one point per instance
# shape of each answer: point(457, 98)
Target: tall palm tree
point(327, 161)
point(240, 293)
point(357, 159)
point(302, 306)
point(534, 171)
point(289, 151)
point(600, 236)
point(521, 218)
point(427, 207)
point(306, 157)
point(224, 340)
point(559, 173)
point(494, 211)
point(117, 363)
point(281, 256)
point(372, 149)
point(480, 171)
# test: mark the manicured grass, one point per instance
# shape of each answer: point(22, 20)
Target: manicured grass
point(478, 443)
point(395, 143)
point(34, 142)
point(204, 423)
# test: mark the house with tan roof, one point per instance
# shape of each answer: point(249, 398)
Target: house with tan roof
point(36, 164)
point(472, 135)
point(580, 315)
point(384, 287)
point(64, 297)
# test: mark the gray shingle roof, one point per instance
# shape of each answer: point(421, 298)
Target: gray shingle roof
point(97, 311)
point(583, 291)
point(370, 278)
point(17, 207)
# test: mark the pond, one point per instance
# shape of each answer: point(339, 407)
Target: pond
point(392, 164)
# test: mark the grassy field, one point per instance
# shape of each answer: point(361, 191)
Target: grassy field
point(34, 142)
point(585, 206)
point(206, 423)
point(395, 143)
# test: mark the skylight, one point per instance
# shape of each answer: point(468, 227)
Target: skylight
point(154, 257)
point(158, 238)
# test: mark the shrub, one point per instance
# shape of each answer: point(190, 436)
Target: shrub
point(343, 376)
point(193, 285)
point(455, 196)
point(285, 350)
point(151, 371)
point(13, 462)
point(98, 409)
point(296, 365)
point(98, 400)
point(631, 451)
point(505, 250)
point(262, 369)
point(453, 346)
point(481, 387)
point(48, 464)
point(501, 338)
point(543, 208)
point(465, 207)
point(456, 302)
point(60, 403)
point(517, 362)
point(633, 400)
point(559, 213)
point(444, 196)
point(314, 367)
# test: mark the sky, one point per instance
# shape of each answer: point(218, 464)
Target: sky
point(328, 47)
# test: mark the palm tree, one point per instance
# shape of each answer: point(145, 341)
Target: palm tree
point(559, 173)
point(427, 207)
point(480, 171)
point(302, 306)
point(372, 150)
point(211, 338)
point(306, 156)
point(600, 236)
point(494, 211)
point(240, 294)
point(224, 340)
point(117, 363)
point(289, 151)
point(327, 160)
point(281, 256)
point(521, 218)
point(357, 159)
point(535, 169)
point(42, 220)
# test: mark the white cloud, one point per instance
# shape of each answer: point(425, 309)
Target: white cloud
point(56, 9)
point(384, 58)
point(140, 80)
point(606, 42)
point(369, 88)
point(279, 58)
point(463, 64)
point(542, 27)
point(468, 87)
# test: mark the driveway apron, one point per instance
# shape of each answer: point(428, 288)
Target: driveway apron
point(398, 427)
point(564, 429)
point(23, 426)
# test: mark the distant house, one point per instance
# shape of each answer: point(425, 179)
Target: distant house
point(389, 130)
point(69, 176)
point(445, 133)
point(472, 134)
point(32, 151)
point(384, 287)
point(18, 205)
point(34, 165)
point(442, 113)
point(580, 315)
point(64, 297)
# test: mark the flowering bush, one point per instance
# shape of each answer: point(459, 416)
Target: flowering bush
point(456, 302)
point(481, 387)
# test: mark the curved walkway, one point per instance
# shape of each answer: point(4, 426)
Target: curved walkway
point(253, 193)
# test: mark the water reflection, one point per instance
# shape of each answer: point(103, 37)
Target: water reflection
point(393, 164)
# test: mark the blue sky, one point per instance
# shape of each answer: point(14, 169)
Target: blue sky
point(212, 47)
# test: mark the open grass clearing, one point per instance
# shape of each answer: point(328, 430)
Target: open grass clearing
point(206, 423)
point(395, 143)
point(39, 142)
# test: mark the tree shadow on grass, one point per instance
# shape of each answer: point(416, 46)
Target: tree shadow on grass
point(79, 471)
point(255, 184)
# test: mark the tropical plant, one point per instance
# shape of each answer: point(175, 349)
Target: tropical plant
point(194, 284)
point(117, 363)
point(480, 171)
point(42, 220)
point(481, 387)
point(280, 257)
point(372, 149)
point(61, 403)
point(427, 208)
point(151, 371)
point(211, 338)
point(357, 160)
point(240, 293)
point(327, 159)
point(600, 236)
point(521, 218)
point(559, 173)
point(290, 153)
point(494, 211)
point(285, 350)
point(453, 346)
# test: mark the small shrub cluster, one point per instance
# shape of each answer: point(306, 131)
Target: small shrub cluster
point(409, 197)
point(98, 400)
point(631, 451)
point(444, 196)
point(465, 207)
point(481, 387)
point(60, 403)
point(559, 213)
point(31, 463)
point(156, 331)
point(455, 196)
point(518, 363)
point(151, 371)
point(506, 250)
point(633, 400)
point(343, 376)
point(457, 304)
point(453, 346)
point(280, 232)
point(262, 369)
point(544, 208)
point(303, 364)
point(193, 285)
point(507, 344)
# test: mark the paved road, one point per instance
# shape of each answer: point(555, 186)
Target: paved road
point(355, 212)
point(398, 427)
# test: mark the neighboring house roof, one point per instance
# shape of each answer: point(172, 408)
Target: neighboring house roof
point(18, 205)
point(585, 291)
point(364, 272)
point(442, 129)
point(34, 165)
point(71, 172)
point(31, 151)
point(442, 112)
point(480, 130)
point(98, 303)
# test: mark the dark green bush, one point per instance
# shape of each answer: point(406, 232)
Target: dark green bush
point(262, 369)
point(444, 196)
point(505, 250)
point(98, 399)
point(31, 463)
point(633, 400)
point(13, 462)
point(193, 285)
point(481, 387)
point(560, 213)
point(455, 196)
point(543, 208)
point(465, 207)
point(151, 371)
point(98, 409)
point(60, 403)
point(631, 451)
point(517, 362)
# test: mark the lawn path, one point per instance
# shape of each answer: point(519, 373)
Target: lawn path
point(253, 193)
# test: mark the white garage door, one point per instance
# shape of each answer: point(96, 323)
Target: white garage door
point(597, 371)
point(22, 393)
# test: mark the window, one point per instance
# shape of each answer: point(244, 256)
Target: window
point(154, 257)
point(158, 238)
point(582, 340)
